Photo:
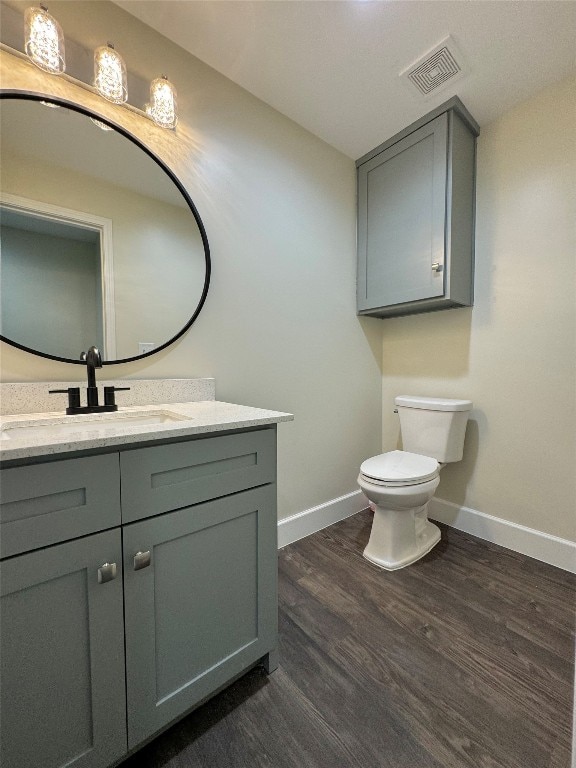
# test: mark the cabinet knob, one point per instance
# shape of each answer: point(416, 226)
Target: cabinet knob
point(437, 267)
point(142, 560)
point(106, 572)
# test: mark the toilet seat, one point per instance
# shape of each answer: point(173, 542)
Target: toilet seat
point(399, 468)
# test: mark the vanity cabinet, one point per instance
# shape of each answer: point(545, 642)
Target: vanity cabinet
point(416, 217)
point(108, 638)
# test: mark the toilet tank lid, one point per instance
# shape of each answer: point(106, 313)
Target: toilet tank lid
point(433, 403)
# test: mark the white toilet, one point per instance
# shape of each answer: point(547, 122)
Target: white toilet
point(399, 484)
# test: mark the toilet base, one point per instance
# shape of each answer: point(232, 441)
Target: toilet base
point(427, 538)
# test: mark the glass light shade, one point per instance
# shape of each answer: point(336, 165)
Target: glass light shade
point(162, 107)
point(110, 74)
point(44, 41)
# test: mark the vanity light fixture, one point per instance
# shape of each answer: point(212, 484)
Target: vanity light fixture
point(110, 74)
point(44, 46)
point(44, 41)
point(162, 107)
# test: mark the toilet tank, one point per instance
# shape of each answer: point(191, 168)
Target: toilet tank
point(433, 426)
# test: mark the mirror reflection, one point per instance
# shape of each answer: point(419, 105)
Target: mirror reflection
point(99, 244)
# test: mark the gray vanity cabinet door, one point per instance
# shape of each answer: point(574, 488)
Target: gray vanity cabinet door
point(200, 602)
point(62, 657)
point(401, 219)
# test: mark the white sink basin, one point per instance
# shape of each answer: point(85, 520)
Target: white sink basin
point(79, 425)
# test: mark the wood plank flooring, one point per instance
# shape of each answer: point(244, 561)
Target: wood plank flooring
point(462, 660)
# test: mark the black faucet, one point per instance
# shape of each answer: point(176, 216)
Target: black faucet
point(93, 360)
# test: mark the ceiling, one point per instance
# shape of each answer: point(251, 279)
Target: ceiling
point(333, 67)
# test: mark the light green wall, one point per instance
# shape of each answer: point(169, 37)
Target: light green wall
point(514, 353)
point(279, 328)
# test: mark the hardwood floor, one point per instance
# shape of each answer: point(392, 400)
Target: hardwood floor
point(462, 660)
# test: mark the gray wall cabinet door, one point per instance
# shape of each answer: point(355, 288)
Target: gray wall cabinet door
point(416, 217)
point(200, 603)
point(402, 200)
point(62, 656)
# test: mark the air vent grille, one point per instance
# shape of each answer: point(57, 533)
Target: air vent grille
point(434, 71)
point(439, 66)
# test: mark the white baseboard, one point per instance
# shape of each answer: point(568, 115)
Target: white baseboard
point(528, 541)
point(542, 546)
point(311, 520)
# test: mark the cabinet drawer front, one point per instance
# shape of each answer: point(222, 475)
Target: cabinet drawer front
point(202, 608)
point(62, 647)
point(47, 503)
point(168, 477)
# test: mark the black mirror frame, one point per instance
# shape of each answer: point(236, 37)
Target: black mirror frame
point(31, 96)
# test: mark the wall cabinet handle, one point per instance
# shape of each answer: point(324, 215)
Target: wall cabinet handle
point(107, 572)
point(142, 560)
point(437, 267)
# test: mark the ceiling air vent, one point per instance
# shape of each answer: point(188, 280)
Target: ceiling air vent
point(438, 67)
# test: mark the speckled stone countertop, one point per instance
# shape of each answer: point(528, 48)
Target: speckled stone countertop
point(91, 431)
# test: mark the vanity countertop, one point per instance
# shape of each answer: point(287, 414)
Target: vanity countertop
point(42, 438)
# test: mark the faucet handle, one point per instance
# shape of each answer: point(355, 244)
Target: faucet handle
point(109, 398)
point(73, 395)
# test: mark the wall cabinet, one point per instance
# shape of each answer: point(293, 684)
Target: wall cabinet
point(108, 638)
point(416, 217)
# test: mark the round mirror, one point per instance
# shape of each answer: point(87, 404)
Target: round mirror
point(101, 244)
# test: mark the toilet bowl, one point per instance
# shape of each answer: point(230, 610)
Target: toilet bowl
point(400, 484)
